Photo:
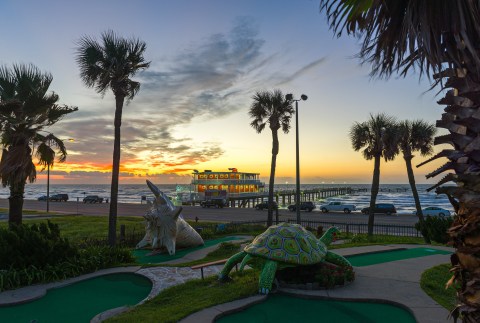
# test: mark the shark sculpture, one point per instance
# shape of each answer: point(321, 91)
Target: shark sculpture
point(165, 227)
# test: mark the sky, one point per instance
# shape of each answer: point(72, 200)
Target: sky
point(208, 58)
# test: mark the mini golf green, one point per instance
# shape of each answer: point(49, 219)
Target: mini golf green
point(81, 301)
point(282, 308)
point(375, 258)
point(142, 257)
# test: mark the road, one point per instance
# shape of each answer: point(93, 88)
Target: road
point(211, 214)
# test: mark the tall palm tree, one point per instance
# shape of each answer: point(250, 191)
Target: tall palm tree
point(377, 137)
point(26, 109)
point(415, 136)
point(273, 109)
point(111, 64)
point(440, 40)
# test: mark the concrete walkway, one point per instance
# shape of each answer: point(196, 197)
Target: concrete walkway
point(396, 282)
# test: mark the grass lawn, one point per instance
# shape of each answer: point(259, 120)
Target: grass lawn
point(359, 240)
point(179, 301)
point(433, 283)
point(79, 227)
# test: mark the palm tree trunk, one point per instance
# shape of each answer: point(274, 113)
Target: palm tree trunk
point(418, 206)
point(15, 204)
point(374, 193)
point(462, 122)
point(112, 216)
point(271, 184)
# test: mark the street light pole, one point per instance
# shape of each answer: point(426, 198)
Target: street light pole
point(303, 97)
point(48, 180)
point(48, 187)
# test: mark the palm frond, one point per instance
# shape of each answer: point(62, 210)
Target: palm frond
point(26, 108)
point(398, 35)
point(111, 63)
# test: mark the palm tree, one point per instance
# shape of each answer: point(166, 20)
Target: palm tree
point(377, 137)
point(111, 64)
point(26, 109)
point(274, 109)
point(415, 136)
point(440, 40)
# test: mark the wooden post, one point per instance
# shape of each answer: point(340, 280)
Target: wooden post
point(122, 233)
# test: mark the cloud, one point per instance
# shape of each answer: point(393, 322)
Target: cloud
point(207, 80)
point(302, 71)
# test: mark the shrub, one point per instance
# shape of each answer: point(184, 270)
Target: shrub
point(435, 228)
point(207, 234)
point(38, 254)
point(36, 245)
point(86, 261)
point(325, 274)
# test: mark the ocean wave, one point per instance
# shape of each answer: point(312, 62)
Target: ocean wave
point(398, 194)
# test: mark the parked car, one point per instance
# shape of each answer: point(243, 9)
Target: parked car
point(304, 206)
point(93, 199)
point(264, 205)
point(386, 208)
point(434, 211)
point(42, 198)
point(59, 197)
point(218, 203)
point(337, 206)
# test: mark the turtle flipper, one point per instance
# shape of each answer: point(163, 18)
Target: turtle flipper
point(267, 276)
point(244, 262)
point(235, 259)
point(336, 259)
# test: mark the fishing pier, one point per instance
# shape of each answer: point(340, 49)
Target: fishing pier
point(284, 197)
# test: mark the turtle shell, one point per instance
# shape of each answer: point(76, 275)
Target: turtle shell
point(289, 243)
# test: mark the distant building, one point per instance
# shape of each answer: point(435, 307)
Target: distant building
point(231, 181)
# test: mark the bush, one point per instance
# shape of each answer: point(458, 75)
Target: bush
point(435, 228)
point(86, 261)
point(327, 275)
point(38, 254)
point(36, 245)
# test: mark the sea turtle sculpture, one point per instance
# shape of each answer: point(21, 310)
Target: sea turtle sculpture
point(284, 245)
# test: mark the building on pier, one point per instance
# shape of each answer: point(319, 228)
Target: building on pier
point(232, 181)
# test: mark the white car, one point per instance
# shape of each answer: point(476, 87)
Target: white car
point(435, 211)
point(337, 206)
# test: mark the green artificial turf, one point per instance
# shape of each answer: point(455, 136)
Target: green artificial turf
point(142, 257)
point(283, 308)
point(81, 301)
point(394, 255)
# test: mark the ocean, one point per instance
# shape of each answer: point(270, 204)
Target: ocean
point(398, 194)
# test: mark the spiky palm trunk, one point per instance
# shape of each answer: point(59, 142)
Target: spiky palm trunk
point(462, 119)
point(271, 184)
point(15, 203)
point(374, 193)
point(16, 162)
point(112, 217)
point(418, 206)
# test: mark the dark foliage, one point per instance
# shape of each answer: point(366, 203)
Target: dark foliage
point(325, 274)
point(38, 254)
point(36, 245)
point(435, 228)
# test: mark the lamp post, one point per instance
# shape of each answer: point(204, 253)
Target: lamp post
point(289, 97)
point(48, 187)
point(48, 181)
